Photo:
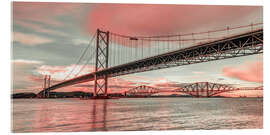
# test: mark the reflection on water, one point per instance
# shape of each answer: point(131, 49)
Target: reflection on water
point(71, 115)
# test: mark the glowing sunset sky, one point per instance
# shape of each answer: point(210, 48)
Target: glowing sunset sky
point(48, 38)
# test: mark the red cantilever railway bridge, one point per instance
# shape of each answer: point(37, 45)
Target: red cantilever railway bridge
point(198, 89)
point(229, 46)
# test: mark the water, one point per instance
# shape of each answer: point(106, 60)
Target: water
point(129, 114)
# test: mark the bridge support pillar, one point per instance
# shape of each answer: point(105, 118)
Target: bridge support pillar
point(102, 54)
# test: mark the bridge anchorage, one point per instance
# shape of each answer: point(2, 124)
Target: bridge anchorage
point(198, 89)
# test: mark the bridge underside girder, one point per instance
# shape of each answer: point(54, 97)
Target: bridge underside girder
point(237, 46)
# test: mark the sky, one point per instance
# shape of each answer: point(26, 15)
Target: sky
point(48, 39)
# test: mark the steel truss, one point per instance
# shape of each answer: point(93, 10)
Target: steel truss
point(102, 54)
point(142, 90)
point(206, 89)
point(198, 89)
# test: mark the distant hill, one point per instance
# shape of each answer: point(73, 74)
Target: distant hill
point(73, 94)
point(24, 95)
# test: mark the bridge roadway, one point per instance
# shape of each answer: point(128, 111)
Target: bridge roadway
point(235, 46)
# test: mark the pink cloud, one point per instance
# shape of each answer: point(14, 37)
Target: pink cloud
point(161, 82)
point(140, 79)
point(164, 83)
point(119, 84)
point(116, 85)
point(30, 39)
point(139, 19)
point(198, 72)
point(120, 81)
point(23, 61)
point(60, 72)
point(249, 71)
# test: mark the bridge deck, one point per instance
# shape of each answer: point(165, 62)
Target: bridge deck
point(240, 45)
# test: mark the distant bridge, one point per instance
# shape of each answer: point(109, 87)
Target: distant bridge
point(168, 52)
point(198, 89)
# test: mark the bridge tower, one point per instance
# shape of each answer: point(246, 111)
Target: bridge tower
point(49, 84)
point(102, 54)
point(46, 84)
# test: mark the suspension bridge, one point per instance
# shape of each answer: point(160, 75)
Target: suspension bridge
point(197, 89)
point(115, 54)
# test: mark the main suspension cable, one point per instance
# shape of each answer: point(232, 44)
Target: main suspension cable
point(80, 58)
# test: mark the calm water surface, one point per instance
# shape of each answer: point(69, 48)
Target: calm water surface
point(128, 114)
